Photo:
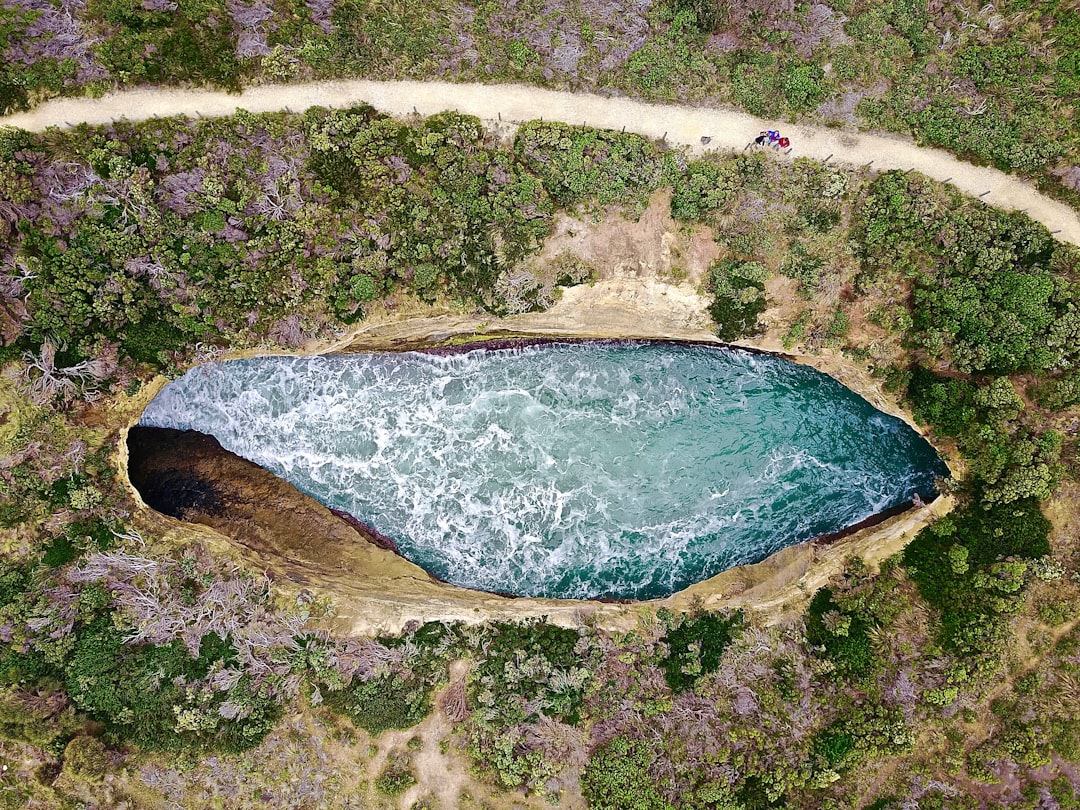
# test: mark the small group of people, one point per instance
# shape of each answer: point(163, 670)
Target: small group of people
point(773, 138)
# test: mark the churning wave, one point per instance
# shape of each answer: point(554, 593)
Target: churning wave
point(571, 470)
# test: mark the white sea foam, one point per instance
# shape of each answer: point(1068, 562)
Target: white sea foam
point(569, 470)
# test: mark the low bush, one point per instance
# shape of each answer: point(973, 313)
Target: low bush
point(534, 663)
point(15, 580)
point(971, 567)
point(139, 693)
point(617, 778)
point(1009, 459)
point(42, 716)
point(992, 291)
point(738, 290)
point(843, 637)
point(705, 187)
point(392, 40)
point(399, 696)
point(577, 163)
point(396, 777)
point(833, 746)
point(394, 700)
point(804, 267)
point(191, 42)
point(1057, 393)
point(86, 757)
point(695, 645)
point(526, 675)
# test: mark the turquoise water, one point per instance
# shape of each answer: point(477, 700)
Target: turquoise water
point(569, 470)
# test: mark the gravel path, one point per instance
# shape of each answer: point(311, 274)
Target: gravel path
point(728, 130)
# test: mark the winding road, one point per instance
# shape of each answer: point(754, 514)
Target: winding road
point(510, 104)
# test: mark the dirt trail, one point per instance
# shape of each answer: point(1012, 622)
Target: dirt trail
point(684, 126)
point(441, 772)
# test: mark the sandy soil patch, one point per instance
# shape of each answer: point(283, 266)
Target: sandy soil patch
point(652, 246)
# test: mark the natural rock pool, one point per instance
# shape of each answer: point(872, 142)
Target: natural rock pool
point(586, 469)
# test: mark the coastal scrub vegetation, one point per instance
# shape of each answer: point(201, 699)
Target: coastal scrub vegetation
point(945, 678)
point(996, 83)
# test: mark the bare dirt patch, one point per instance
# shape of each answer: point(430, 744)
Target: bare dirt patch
point(619, 247)
point(438, 762)
point(1063, 511)
point(783, 308)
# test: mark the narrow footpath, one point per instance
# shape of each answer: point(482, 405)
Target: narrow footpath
point(509, 103)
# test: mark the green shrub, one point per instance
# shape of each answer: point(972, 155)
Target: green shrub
point(20, 83)
point(384, 702)
point(521, 55)
point(467, 211)
point(524, 672)
point(947, 403)
point(802, 87)
point(833, 745)
point(842, 636)
point(756, 85)
point(396, 777)
point(191, 43)
point(1066, 34)
point(59, 552)
point(18, 668)
point(41, 718)
point(399, 698)
point(86, 757)
point(974, 599)
point(992, 320)
point(577, 163)
point(616, 777)
point(15, 579)
point(738, 290)
point(838, 326)
point(695, 646)
point(138, 693)
point(1057, 393)
point(1009, 461)
point(522, 660)
point(703, 189)
point(709, 15)
point(989, 295)
point(803, 267)
point(91, 533)
point(147, 340)
point(911, 20)
point(391, 39)
point(859, 734)
point(12, 514)
point(13, 96)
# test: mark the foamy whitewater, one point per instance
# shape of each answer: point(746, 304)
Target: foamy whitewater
point(570, 470)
